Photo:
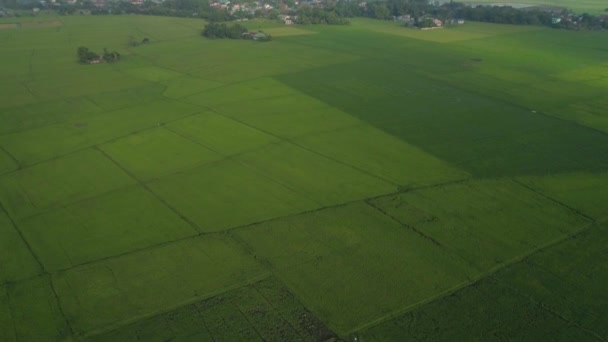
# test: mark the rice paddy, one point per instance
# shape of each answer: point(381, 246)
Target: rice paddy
point(365, 182)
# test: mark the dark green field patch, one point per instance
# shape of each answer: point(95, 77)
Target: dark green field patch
point(351, 265)
point(118, 291)
point(112, 224)
point(487, 223)
point(243, 196)
point(569, 280)
point(262, 311)
point(60, 182)
point(157, 152)
point(34, 311)
point(16, 262)
point(7, 330)
point(485, 311)
point(486, 136)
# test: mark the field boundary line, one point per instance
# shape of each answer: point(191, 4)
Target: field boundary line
point(257, 170)
point(10, 310)
point(23, 239)
point(145, 187)
point(92, 145)
point(407, 226)
point(134, 319)
point(59, 306)
point(280, 314)
point(560, 203)
point(229, 231)
point(473, 281)
point(12, 157)
point(248, 320)
point(312, 151)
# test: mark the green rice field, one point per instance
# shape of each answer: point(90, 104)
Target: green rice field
point(339, 183)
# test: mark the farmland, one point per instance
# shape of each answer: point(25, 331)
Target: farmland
point(363, 181)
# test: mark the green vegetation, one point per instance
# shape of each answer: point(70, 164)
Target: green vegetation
point(86, 56)
point(363, 181)
point(222, 30)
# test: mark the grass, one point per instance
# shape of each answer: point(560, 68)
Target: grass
point(361, 181)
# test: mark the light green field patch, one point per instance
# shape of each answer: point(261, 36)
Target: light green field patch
point(326, 181)
point(291, 116)
point(16, 262)
point(449, 34)
point(591, 113)
point(239, 92)
point(129, 97)
point(7, 163)
point(112, 224)
point(282, 104)
point(351, 265)
point(228, 194)
point(154, 73)
point(177, 88)
point(7, 330)
point(221, 134)
point(286, 31)
point(511, 75)
point(383, 155)
point(76, 134)
point(487, 223)
point(36, 315)
point(42, 114)
point(586, 192)
point(586, 73)
point(59, 182)
point(119, 291)
point(157, 152)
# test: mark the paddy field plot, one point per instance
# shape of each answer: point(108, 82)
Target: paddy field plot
point(363, 181)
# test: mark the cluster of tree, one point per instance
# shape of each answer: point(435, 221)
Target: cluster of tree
point(134, 42)
point(523, 16)
point(307, 15)
point(223, 30)
point(422, 10)
point(87, 56)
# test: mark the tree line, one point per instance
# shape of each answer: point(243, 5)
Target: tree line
point(87, 56)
